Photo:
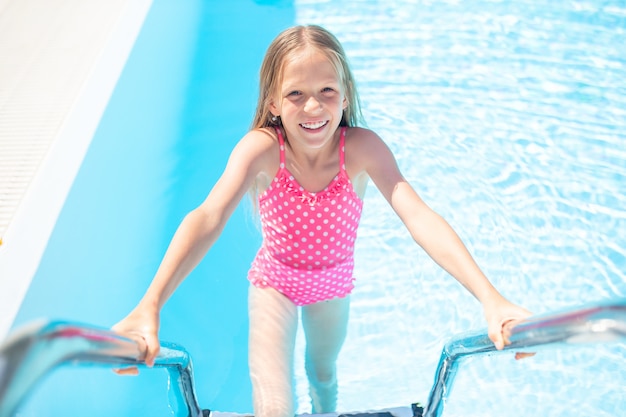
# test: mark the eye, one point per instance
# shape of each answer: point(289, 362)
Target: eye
point(294, 93)
point(328, 90)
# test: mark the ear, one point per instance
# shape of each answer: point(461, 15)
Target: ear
point(346, 92)
point(273, 107)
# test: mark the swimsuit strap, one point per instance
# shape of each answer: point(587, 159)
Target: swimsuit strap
point(342, 149)
point(281, 143)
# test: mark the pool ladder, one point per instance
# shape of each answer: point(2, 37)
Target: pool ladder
point(38, 348)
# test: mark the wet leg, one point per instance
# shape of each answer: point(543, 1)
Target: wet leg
point(273, 326)
point(325, 326)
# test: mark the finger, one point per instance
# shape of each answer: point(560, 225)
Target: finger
point(127, 371)
point(507, 329)
point(147, 345)
point(151, 350)
point(495, 335)
point(522, 355)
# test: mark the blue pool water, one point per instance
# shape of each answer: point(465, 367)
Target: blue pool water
point(509, 118)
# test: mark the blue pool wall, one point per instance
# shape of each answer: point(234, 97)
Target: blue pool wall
point(186, 95)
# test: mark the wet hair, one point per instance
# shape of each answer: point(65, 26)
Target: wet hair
point(282, 49)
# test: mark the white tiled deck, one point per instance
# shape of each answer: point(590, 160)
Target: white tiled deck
point(59, 61)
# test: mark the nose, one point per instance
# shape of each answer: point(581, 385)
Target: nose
point(312, 105)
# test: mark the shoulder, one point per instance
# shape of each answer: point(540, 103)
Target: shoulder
point(365, 147)
point(257, 141)
point(360, 133)
point(257, 148)
point(367, 156)
point(363, 140)
point(255, 157)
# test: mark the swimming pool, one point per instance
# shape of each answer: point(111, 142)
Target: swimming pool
point(507, 117)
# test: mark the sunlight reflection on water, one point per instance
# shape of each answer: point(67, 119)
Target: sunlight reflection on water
point(509, 118)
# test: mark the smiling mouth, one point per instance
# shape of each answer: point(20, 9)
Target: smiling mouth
point(314, 125)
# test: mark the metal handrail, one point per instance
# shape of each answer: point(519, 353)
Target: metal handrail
point(40, 347)
point(604, 322)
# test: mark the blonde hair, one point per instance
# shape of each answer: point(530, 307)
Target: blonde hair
point(286, 44)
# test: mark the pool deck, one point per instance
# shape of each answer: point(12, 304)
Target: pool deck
point(60, 62)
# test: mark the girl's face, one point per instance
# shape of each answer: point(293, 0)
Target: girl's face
point(311, 99)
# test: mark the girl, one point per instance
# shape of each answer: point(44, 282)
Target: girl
point(307, 165)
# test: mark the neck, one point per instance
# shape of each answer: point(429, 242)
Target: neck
point(307, 157)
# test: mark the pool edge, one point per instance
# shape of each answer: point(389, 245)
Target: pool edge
point(32, 223)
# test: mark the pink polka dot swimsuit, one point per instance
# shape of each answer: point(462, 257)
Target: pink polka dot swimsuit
point(308, 238)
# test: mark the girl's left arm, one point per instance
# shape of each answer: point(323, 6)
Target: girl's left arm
point(437, 237)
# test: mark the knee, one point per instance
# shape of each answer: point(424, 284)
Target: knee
point(321, 374)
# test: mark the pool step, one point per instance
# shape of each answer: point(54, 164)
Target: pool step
point(415, 410)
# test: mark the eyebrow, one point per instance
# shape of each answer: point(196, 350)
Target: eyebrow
point(328, 82)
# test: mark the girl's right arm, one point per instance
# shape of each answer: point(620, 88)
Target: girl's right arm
point(195, 236)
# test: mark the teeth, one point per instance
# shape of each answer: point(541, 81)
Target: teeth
point(315, 125)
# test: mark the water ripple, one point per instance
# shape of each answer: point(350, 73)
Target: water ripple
point(509, 118)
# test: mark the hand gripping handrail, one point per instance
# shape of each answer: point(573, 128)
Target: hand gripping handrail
point(604, 322)
point(39, 347)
